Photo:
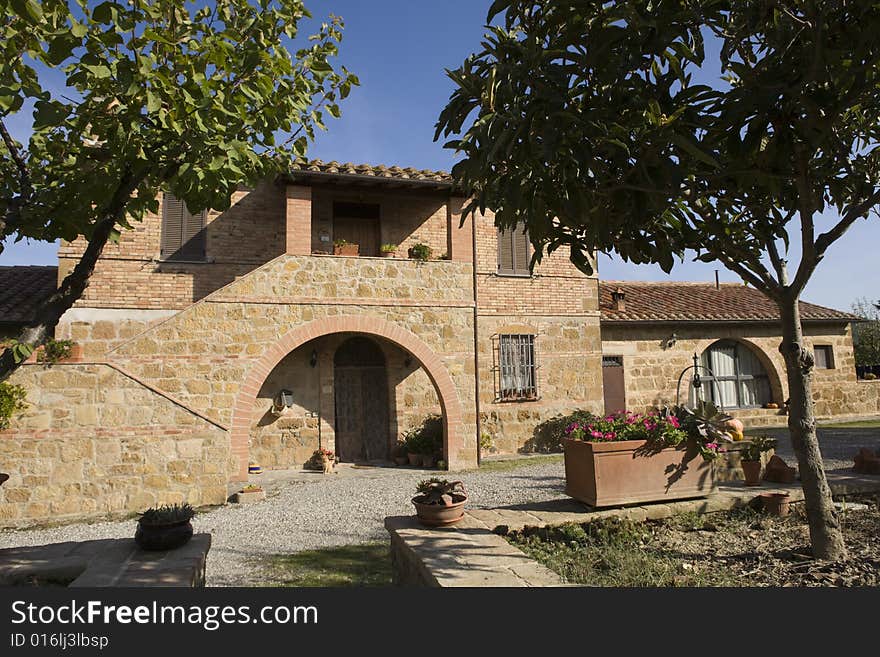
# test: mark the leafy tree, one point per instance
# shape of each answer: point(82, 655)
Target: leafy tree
point(584, 120)
point(158, 94)
point(866, 334)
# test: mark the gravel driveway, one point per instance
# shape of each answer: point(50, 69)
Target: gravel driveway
point(306, 511)
point(310, 510)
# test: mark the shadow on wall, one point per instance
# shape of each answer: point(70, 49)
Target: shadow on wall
point(246, 236)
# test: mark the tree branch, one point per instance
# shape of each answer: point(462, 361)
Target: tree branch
point(21, 165)
point(858, 212)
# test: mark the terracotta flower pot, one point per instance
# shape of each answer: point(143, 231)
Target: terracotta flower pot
point(401, 460)
point(752, 472)
point(163, 537)
point(776, 504)
point(628, 472)
point(414, 459)
point(346, 249)
point(428, 460)
point(439, 515)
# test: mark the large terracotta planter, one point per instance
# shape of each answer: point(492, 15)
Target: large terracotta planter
point(752, 472)
point(625, 472)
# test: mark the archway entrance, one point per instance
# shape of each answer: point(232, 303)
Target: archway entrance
point(360, 385)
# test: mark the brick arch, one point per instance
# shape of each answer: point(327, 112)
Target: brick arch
point(453, 417)
point(777, 387)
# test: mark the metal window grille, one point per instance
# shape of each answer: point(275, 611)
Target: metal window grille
point(515, 367)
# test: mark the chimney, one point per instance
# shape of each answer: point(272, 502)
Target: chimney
point(618, 298)
point(717, 281)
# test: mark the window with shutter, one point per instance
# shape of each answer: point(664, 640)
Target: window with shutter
point(183, 233)
point(514, 252)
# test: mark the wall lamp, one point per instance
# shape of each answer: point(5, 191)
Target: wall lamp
point(282, 401)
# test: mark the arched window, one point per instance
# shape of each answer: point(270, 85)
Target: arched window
point(733, 377)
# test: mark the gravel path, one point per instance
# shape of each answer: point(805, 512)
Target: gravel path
point(314, 511)
point(309, 510)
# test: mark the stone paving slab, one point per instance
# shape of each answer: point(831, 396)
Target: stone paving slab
point(105, 562)
point(468, 554)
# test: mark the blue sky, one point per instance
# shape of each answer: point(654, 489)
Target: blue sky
point(399, 49)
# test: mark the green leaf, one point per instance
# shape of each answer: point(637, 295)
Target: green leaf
point(29, 10)
point(692, 149)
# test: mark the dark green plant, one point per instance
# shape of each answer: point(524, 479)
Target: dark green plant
point(440, 491)
point(420, 251)
point(13, 399)
point(169, 514)
point(427, 437)
point(753, 448)
point(388, 248)
point(54, 351)
point(704, 421)
point(547, 436)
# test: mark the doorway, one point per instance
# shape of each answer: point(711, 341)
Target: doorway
point(360, 386)
point(357, 223)
point(613, 384)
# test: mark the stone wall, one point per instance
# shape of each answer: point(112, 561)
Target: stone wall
point(204, 354)
point(96, 442)
point(651, 370)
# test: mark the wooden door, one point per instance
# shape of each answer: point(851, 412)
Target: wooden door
point(361, 402)
point(613, 384)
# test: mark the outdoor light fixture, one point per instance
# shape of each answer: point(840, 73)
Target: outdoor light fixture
point(669, 342)
point(313, 359)
point(283, 400)
point(697, 381)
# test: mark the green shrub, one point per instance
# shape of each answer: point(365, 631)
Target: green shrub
point(547, 436)
point(420, 251)
point(55, 350)
point(13, 399)
point(427, 438)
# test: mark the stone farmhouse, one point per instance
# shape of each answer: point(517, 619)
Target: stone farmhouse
point(208, 342)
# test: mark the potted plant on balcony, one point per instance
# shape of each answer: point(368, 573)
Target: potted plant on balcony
point(629, 458)
point(388, 250)
point(165, 527)
point(323, 460)
point(343, 248)
point(750, 458)
point(439, 502)
point(420, 251)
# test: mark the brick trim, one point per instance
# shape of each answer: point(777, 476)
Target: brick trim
point(453, 416)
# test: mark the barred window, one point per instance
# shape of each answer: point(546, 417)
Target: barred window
point(515, 368)
point(183, 233)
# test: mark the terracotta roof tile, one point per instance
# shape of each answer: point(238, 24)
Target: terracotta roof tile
point(699, 302)
point(375, 171)
point(21, 290)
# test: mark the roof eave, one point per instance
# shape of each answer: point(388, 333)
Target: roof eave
point(371, 181)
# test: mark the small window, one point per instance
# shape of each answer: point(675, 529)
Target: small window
point(515, 368)
point(824, 357)
point(514, 252)
point(183, 233)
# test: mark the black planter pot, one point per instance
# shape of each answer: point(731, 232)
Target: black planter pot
point(163, 537)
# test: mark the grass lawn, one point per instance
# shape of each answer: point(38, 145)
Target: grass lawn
point(505, 465)
point(348, 565)
point(860, 424)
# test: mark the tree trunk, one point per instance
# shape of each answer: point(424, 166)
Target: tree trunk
point(825, 534)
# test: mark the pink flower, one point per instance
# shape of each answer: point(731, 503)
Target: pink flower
point(674, 421)
point(610, 435)
point(712, 446)
point(596, 434)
